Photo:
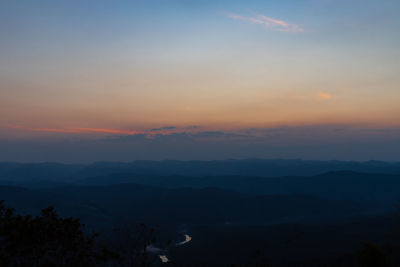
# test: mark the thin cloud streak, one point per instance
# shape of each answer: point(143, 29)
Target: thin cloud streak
point(79, 130)
point(269, 23)
point(155, 131)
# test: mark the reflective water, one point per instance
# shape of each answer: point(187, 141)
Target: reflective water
point(188, 238)
point(164, 258)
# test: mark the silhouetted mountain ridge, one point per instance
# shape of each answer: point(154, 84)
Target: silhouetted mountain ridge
point(377, 191)
point(26, 172)
point(179, 206)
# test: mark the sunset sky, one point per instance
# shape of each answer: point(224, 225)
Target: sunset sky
point(176, 74)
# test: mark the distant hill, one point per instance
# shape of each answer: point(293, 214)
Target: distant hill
point(56, 172)
point(376, 191)
point(306, 208)
point(375, 185)
point(106, 205)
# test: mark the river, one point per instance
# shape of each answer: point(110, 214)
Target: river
point(164, 258)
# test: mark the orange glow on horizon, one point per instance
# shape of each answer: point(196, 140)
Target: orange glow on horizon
point(83, 130)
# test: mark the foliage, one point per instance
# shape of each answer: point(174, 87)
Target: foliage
point(371, 256)
point(47, 240)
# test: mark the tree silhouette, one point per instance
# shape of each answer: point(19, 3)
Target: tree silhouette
point(47, 240)
point(371, 256)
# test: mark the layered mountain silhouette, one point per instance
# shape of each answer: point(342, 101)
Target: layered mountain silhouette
point(236, 206)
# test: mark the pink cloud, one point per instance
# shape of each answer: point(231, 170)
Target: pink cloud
point(148, 132)
point(79, 130)
point(324, 96)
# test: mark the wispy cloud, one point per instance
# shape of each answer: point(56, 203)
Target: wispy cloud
point(324, 96)
point(165, 128)
point(269, 23)
point(83, 130)
point(146, 132)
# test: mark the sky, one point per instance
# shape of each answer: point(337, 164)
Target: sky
point(89, 80)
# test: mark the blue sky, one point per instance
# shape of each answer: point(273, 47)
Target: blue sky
point(83, 69)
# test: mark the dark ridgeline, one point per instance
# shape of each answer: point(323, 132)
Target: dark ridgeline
point(57, 173)
point(311, 213)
